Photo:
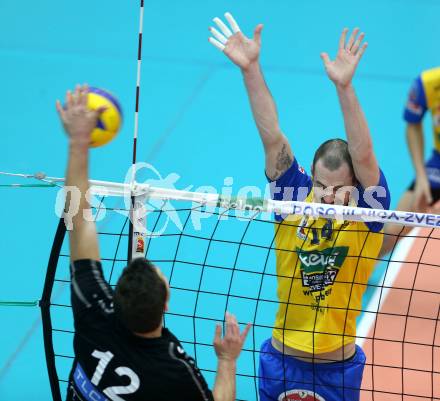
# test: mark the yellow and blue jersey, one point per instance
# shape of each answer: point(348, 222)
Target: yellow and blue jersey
point(423, 96)
point(323, 266)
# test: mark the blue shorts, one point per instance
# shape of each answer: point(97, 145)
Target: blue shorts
point(285, 378)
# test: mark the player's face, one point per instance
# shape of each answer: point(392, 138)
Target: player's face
point(332, 187)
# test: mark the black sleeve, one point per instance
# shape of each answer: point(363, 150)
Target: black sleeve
point(192, 379)
point(91, 295)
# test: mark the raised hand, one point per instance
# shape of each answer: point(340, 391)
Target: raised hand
point(343, 67)
point(240, 49)
point(78, 120)
point(229, 347)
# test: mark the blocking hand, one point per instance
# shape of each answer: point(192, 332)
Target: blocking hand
point(341, 70)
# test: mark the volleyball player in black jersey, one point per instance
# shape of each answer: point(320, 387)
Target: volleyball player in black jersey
point(122, 352)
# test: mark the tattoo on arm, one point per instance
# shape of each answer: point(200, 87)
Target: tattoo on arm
point(283, 162)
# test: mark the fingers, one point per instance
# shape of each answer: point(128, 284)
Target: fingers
point(342, 39)
point(217, 35)
point(69, 99)
point(78, 97)
point(84, 93)
point(352, 38)
point(217, 44)
point(101, 110)
point(218, 334)
point(325, 58)
point(357, 44)
point(233, 329)
point(245, 332)
point(220, 39)
point(231, 325)
point(232, 22)
point(354, 43)
point(225, 30)
point(361, 51)
point(257, 33)
point(60, 110)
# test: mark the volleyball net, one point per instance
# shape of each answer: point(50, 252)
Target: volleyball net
point(218, 253)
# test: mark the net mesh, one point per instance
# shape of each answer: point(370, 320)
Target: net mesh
point(223, 259)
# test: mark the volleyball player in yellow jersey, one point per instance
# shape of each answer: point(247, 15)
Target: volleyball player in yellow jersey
point(322, 265)
point(423, 194)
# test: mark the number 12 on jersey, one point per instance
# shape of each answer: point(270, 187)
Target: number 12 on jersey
point(113, 393)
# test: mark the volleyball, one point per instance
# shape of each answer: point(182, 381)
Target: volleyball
point(110, 120)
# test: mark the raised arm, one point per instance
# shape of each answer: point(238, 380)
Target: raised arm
point(228, 350)
point(245, 53)
point(79, 121)
point(341, 72)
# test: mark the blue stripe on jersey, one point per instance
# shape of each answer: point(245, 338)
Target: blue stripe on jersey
point(375, 197)
point(85, 386)
point(416, 104)
point(294, 185)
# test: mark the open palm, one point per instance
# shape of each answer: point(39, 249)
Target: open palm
point(343, 67)
point(240, 49)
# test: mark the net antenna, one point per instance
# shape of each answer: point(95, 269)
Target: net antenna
point(137, 224)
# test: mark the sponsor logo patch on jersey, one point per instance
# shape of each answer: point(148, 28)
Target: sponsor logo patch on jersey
point(320, 268)
point(414, 107)
point(300, 395)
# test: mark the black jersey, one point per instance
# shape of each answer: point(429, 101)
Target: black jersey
point(113, 364)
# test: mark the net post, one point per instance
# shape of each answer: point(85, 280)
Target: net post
point(45, 309)
point(131, 231)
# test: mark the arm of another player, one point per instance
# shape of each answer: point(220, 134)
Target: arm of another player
point(422, 188)
point(341, 71)
point(79, 121)
point(245, 53)
point(228, 350)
